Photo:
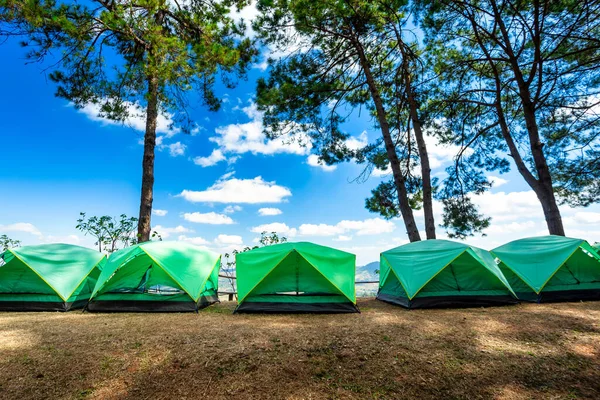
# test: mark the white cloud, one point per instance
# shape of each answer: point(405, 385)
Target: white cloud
point(512, 227)
point(343, 238)
point(357, 142)
point(223, 240)
point(585, 218)
point(213, 159)
point(197, 240)
point(497, 181)
point(165, 232)
point(247, 14)
point(371, 226)
point(379, 173)
point(211, 218)
point(268, 211)
point(509, 206)
point(320, 230)
point(441, 155)
point(262, 65)
point(67, 239)
point(313, 161)
point(232, 209)
point(177, 149)
point(159, 213)
point(25, 227)
point(249, 138)
point(277, 227)
point(136, 119)
point(233, 190)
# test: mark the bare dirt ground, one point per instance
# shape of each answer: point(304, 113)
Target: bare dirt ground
point(521, 352)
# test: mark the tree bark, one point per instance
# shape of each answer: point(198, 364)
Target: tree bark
point(542, 185)
point(544, 188)
point(144, 219)
point(407, 213)
point(424, 159)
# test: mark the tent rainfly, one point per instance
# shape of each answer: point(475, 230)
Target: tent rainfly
point(296, 278)
point(48, 277)
point(157, 277)
point(550, 268)
point(441, 273)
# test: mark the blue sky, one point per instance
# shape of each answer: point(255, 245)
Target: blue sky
point(214, 185)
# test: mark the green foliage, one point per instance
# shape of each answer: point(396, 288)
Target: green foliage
point(8, 243)
point(111, 233)
point(520, 79)
point(461, 218)
point(108, 49)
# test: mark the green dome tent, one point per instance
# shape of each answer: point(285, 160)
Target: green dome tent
point(551, 268)
point(157, 277)
point(296, 277)
point(48, 277)
point(441, 273)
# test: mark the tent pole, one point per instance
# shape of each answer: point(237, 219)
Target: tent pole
point(454, 275)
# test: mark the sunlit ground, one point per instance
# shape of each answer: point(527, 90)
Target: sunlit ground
point(520, 352)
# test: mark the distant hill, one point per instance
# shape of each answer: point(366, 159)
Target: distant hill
point(367, 273)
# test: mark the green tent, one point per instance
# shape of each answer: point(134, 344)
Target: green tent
point(441, 273)
point(596, 247)
point(48, 277)
point(157, 277)
point(296, 277)
point(551, 268)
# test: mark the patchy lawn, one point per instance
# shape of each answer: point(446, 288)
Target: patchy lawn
point(521, 352)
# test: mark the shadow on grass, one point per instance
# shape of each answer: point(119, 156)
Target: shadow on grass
point(526, 351)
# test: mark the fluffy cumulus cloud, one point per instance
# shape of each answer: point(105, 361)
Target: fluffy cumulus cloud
point(232, 209)
point(278, 227)
point(343, 238)
point(165, 232)
point(136, 119)
point(176, 149)
point(268, 211)
point(497, 181)
point(371, 226)
point(249, 138)
point(67, 239)
point(236, 139)
point(441, 155)
point(225, 240)
point(211, 218)
point(24, 227)
point(159, 213)
point(233, 190)
point(195, 240)
point(313, 161)
point(214, 158)
point(357, 142)
point(165, 126)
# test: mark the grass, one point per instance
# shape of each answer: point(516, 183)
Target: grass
point(523, 352)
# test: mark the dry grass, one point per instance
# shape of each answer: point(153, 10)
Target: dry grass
point(522, 352)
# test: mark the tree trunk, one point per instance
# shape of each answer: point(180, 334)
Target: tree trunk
point(144, 226)
point(544, 189)
point(424, 158)
point(407, 213)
